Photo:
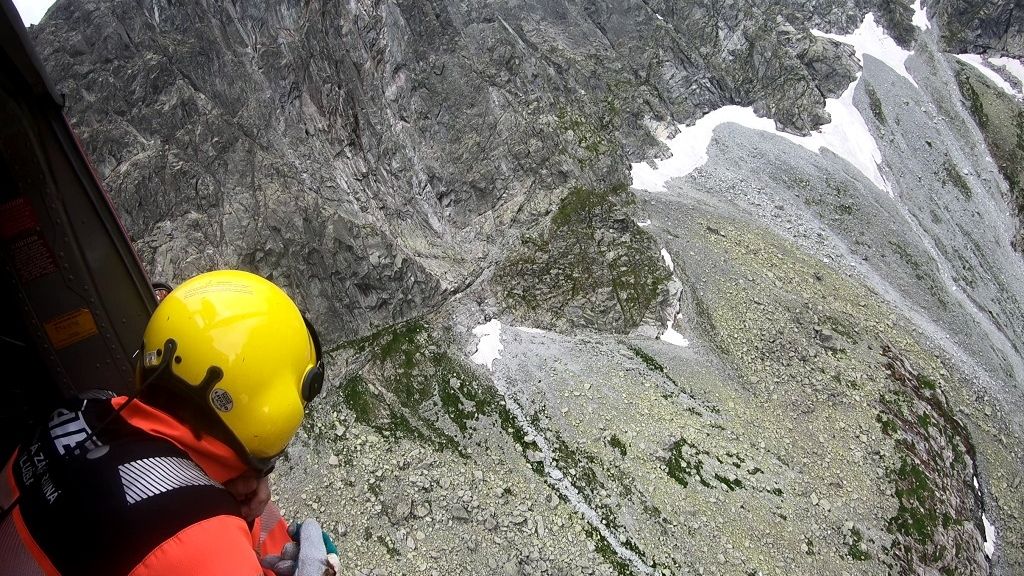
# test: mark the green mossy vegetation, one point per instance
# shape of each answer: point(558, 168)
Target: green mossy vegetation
point(581, 468)
point(594, 134)
point(592, 258)
point(604, 549)
point(927, 382)
point(935, 460)
point(888, 426)
point(617, 443)
point(924, 421)
point(875, 103)
point(970, 93)
point(1001, 120)
point(732, 485)
point(917, 515)
point(683, 467)
point(578, 465)
point(409, 374)
point(686, 462)
point(857, 551)
point(650, 361)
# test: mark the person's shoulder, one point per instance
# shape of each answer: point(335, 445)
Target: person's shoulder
point(160, 495)
point(219, 545)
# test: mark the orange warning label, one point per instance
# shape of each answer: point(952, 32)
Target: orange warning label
point(70, 328)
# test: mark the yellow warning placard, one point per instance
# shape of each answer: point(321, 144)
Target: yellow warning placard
point(69, 328)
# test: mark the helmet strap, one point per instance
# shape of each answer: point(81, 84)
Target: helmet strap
point(182, 399)
point(189, 403)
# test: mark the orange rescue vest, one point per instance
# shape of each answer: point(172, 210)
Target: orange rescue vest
point(141, 496)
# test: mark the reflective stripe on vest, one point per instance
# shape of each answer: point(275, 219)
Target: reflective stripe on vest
point(136, 490)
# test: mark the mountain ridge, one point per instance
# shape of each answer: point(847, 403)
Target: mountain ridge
point(774, 362)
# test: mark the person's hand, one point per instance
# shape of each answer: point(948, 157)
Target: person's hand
point(285, 563)
point(308, 555)
point(252, 492)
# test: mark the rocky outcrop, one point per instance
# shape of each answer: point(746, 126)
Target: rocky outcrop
point(1000, 118)
point(225, 142)
point(897, 19)
point(369, 156)
point(939, 519)
point(593, 267)
point(978, 26)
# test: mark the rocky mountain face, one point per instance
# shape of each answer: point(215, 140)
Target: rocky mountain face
point(369, 141)
point(975, 26)
point(614, 287)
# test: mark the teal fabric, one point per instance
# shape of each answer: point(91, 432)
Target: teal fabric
point(329, 544)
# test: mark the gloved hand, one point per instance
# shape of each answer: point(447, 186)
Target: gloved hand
point(312, 554)
point(283, 565)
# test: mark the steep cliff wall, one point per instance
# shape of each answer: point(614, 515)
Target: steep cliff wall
point(624, 286)
point(371, 155)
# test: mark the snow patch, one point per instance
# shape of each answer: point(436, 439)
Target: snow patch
point(529, 330)
point(673, 337)
point(1012, 65)
point(978, 62)
point(990, 536)
point(689, 148)
point(668, 260)
point(871, 39)
point(990, 530)
point(643, 223)
point(920, 17)
point(489, 348)
point(847, 134)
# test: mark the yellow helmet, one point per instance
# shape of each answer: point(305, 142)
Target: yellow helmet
point(237, 349)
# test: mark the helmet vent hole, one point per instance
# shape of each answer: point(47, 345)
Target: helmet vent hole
point(159, 352)
point(177, 359)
